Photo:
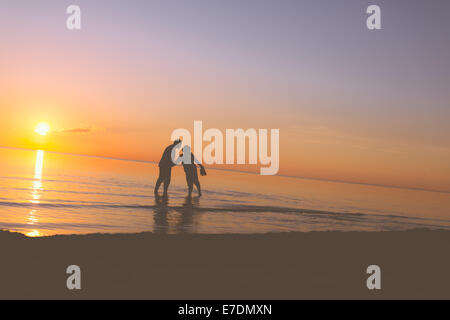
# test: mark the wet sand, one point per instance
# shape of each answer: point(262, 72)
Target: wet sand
point(316, 265)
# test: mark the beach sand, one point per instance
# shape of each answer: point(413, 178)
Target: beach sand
point(316, 265)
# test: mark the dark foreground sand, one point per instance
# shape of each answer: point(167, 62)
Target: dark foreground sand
point(414, 264)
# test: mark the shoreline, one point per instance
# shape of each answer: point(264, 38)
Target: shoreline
point(293, 265)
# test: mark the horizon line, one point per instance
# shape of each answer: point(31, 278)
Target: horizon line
point(241, 171)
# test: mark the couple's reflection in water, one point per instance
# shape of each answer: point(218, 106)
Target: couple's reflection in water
point(176, 219)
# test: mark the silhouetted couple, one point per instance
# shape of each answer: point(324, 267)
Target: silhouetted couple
point(189, 165)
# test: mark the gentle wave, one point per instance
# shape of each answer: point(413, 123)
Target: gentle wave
point(225, 208)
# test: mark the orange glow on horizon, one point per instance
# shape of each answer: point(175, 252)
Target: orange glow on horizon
point(34, 233)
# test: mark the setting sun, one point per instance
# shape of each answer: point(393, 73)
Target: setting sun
point(42, 128)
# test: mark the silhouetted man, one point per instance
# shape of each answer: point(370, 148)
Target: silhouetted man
point(165, 168)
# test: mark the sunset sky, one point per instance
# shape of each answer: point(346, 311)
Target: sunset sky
point(351, 104)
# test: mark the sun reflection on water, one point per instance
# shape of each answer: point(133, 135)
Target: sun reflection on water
point(36, 193)
point(39, 164)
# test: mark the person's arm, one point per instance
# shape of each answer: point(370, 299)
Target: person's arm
point(195, 161)
point(200, 165)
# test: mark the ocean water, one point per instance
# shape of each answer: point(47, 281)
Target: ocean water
point(44, 193)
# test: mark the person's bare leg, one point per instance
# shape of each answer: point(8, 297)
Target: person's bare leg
point(158, 183)
point(167, 182)
point(166, 187)
point(197, 184)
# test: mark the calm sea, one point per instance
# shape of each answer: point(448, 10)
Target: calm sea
point(44, 193)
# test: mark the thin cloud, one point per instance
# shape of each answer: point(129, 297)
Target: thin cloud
point(79, 130)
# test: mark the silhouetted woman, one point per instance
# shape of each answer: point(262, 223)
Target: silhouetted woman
point(190, 169)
